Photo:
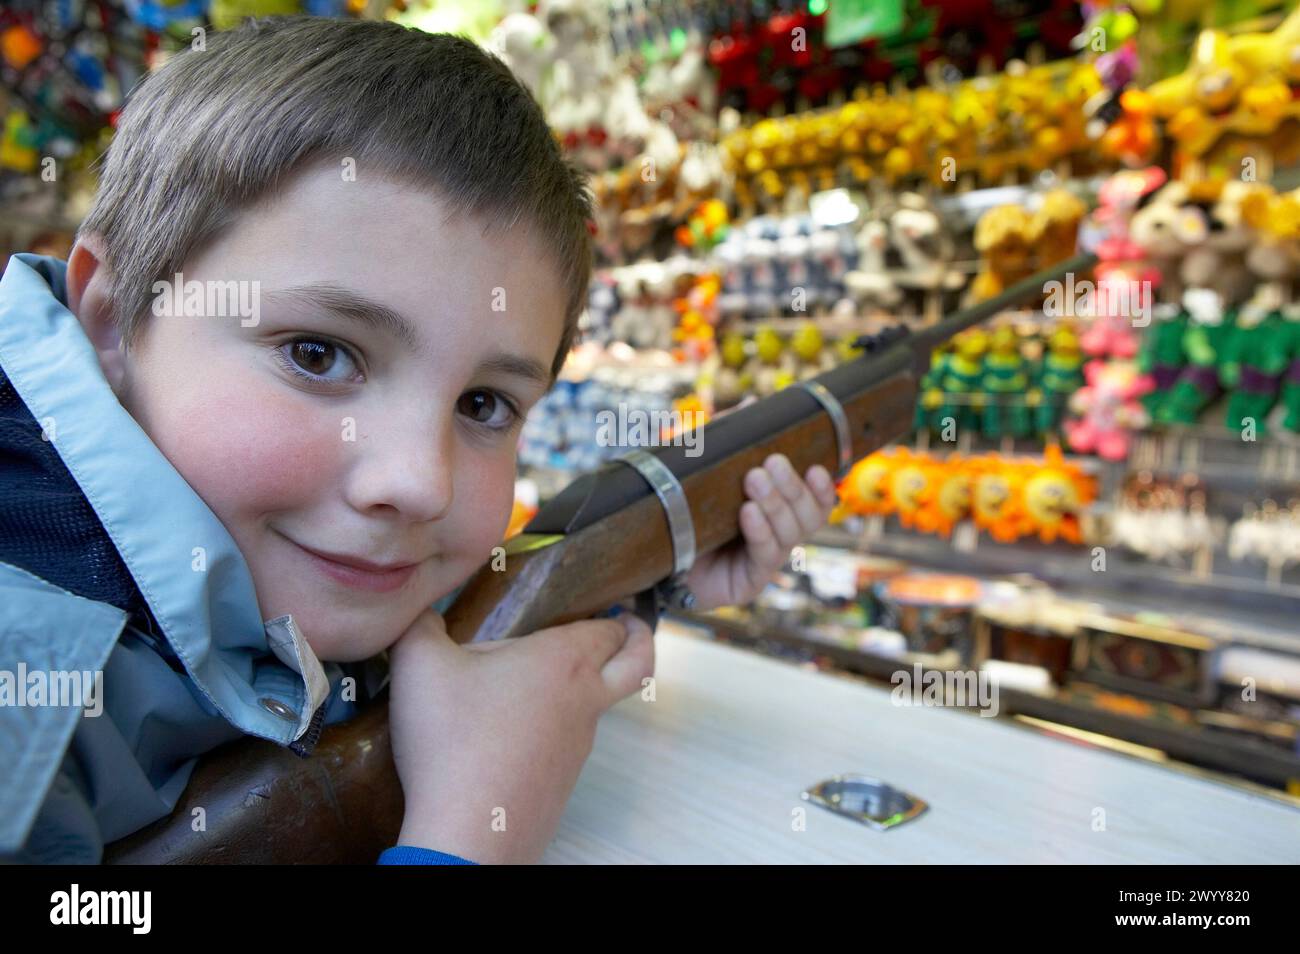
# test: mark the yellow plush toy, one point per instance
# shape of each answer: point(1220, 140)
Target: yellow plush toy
point(996, 497)
point(1054, 228)
point(947, 500)
point(910, 482)
point(1002, 237)
point(1054, 496)
point(865, 491)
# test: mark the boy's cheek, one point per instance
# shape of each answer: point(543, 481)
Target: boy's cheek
point(483, 511)
point(245, 451)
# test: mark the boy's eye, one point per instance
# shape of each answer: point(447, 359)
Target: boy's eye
point(487, 408)
point(319, 360)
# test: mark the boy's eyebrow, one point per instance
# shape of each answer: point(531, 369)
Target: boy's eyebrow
point(353, 306)
point(529, 368)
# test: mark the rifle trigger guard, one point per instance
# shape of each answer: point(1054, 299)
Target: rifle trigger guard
point(673, 498)
point(843, 434)
point(669, 594)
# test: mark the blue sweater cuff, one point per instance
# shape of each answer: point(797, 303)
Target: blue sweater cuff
point(408, 855)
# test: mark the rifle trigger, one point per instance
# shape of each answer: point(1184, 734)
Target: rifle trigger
point(649, 607)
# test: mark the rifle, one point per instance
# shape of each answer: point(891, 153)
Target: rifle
point(630, 529)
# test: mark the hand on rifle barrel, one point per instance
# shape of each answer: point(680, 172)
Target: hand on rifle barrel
point(783, 511)
point(489, 738)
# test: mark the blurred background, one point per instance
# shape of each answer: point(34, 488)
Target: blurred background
point(1100, 497)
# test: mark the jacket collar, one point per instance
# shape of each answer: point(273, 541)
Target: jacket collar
point(261, 676)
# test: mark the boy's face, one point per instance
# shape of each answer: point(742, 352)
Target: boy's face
point(321, 428)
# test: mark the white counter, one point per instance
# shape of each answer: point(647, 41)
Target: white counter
point(711, 772)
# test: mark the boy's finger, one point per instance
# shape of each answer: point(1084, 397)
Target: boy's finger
point(761, 545)
point(425, 637)
point(823, 487)
point(593, 640)
point(798, 495)
point(762, 490)
point(634, 662)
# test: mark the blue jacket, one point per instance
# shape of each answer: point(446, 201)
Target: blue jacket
point(110, 562)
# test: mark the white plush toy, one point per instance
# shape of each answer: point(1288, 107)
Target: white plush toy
point(527, 47)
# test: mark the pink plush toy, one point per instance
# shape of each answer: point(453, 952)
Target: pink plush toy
point(1122, 301)
point(1108, 408)
point(1124, 282)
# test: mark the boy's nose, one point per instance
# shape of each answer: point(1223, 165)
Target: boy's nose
point(407, 468)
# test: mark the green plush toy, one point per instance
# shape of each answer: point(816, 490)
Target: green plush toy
point(1059, 376)
point(961, 379)
point(929, 396)
point(1162, 354)
point(1291, 383)
point(1255, 357)
point(1204, 343)
point(1005, 383)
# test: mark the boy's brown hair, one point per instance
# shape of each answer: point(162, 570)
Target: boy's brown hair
point(214, 131)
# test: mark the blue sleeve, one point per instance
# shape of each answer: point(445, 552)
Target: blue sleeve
point(408, 855)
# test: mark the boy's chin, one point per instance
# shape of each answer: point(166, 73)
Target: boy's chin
point(345, 647)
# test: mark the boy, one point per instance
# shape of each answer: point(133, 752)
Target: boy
point(266, 417)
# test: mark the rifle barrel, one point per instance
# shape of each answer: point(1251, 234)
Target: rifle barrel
point(927, 339)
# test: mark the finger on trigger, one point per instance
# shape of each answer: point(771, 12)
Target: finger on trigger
point(624, 673)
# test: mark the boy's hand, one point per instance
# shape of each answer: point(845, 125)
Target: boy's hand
point(782, 512)
point(489, 738)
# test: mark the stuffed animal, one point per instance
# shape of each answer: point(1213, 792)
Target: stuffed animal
point(1215, 279)
point(1124, 298)
point(1005, 384)
point(929, 396)
point(962, 373)
point(911, 481)
point(1060, 374)
point(1055, 496)
point(1255, 355)
point(1002, 237)
point(871, 284)
point(924, 246)
point(997, 488)
point(1198, 103)
point(1054, 227)
point(1108, 409)
point(947, 499)
point(865, 490)
point(1208, 331)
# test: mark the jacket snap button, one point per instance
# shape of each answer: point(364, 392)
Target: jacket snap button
point(279, 708)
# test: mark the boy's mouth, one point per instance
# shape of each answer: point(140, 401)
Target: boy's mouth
point(358, 573)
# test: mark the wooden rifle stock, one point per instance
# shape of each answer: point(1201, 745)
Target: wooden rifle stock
point(604, 539)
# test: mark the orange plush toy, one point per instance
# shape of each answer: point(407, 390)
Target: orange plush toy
point(1054, 496)
point(911, 481)
point(997, 495)
point(947, 498)
point(865, 491)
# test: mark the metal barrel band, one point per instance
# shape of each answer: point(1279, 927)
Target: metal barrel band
point(843, 435)
point(676, 508)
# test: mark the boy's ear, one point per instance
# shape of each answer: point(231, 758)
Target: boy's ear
point(89, 298)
